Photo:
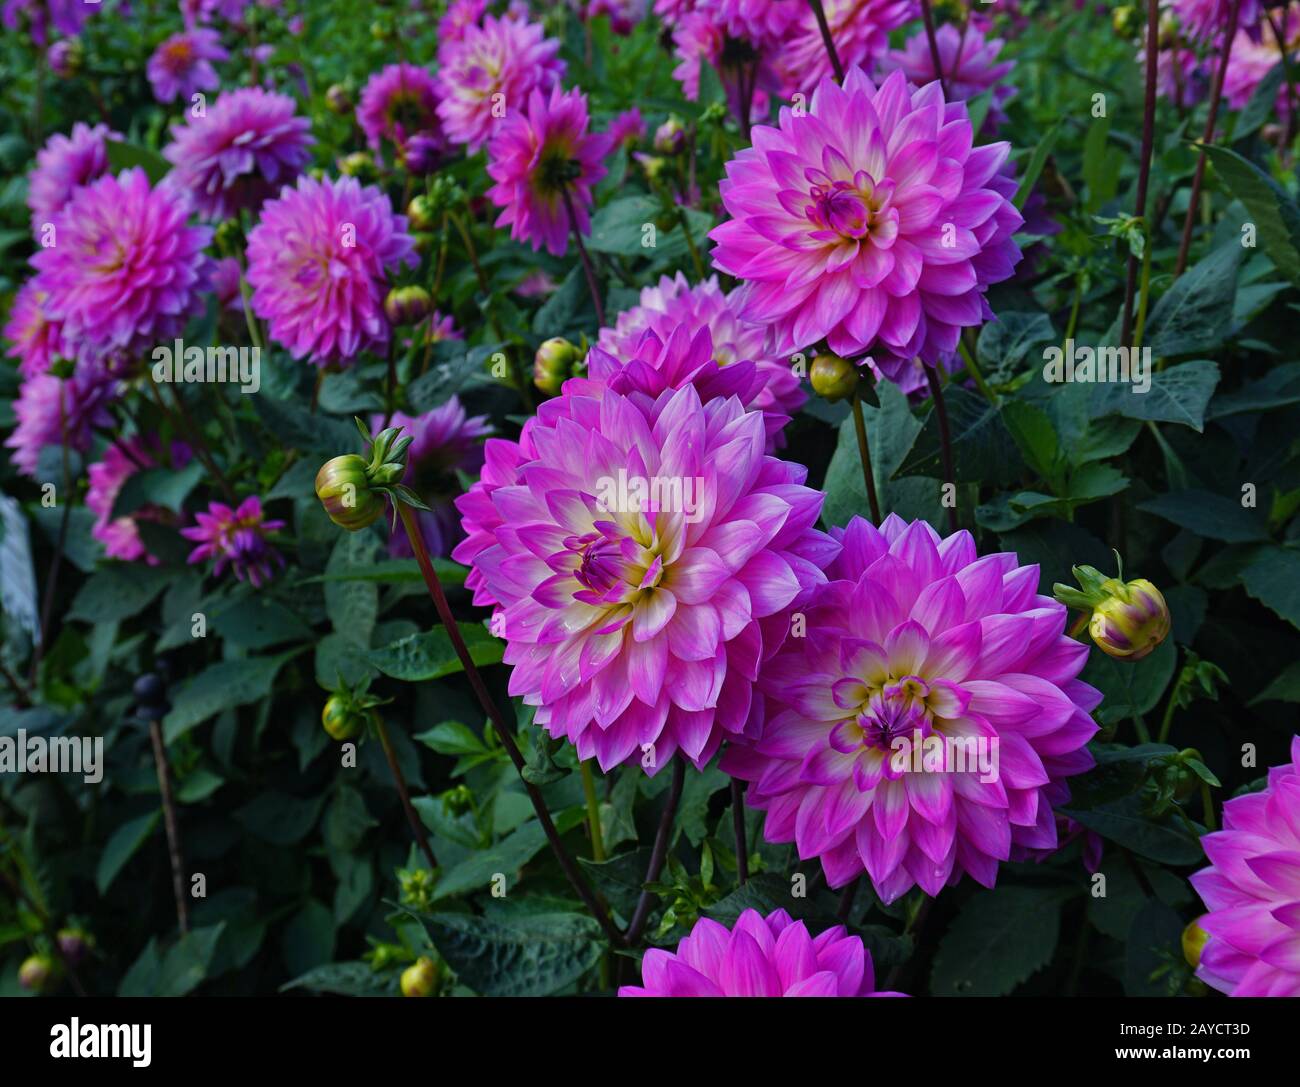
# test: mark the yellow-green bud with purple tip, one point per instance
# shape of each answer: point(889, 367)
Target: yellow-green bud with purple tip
point(1127, 619)
point(359, 164)
point(832, 377)
point(420, 978)
point(553, 364)
point(422, 214)
point(38, 973)
point(670, 137)
point(1194, 940)
point(344, 490)
point(337, 99)
point(407, 305)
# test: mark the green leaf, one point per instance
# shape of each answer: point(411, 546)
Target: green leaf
point(1285, 688)
point(891, 430)
point(999, 939)
point(344, 979)
point(1262, 106)
point(506, 856)
point(558, 313)
point(221, 686)
point(309, 937)
point(1195, 315)
point(983, 450)
point(620, 878)
point(1213, 516)
point(1154, 940)
point(461, 369)
point(1034, 434)
point(118, 592)
point(529, 955)
point(451, 738)
point(127, 156)
point(1036, 163)
point(1123, 821)
point(122, 846)
point(298, 428)
point(617, 227)
point(186, 964)
point(279, 818)
point(1273, 212)
point(1130, 687)
point(352, 606)
point(258, 622)
point(430, 655)
point(394, 572)
point(1177, 395)
point(1272, 576)
point(1004, 344)
point(165, 487)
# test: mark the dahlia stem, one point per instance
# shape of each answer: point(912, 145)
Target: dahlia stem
point(945, 436)
point(315, 392)
point(56, 560)
point(690, 243)
point(417, 828)
point(1207, 802)
point(1216, 92)
point(927, 16)
point(182, 422)
point(738, 826)
point(1144, 168)
point(483, 283)
point(171, 824)
point(576, 880)
point(1144, 295)
point(864, 455)
point(390, 389)
point(819, 14)
point(972, 368)
point(658, 853)
point(593, 812)
point(587, 268)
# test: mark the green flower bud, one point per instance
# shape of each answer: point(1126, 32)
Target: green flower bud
point(670, 137)
point(359, 164)
point(1194, 941)
point(342, 719)
point(38, 973)
point(420, 978)
point(338, 100)
point(1131, 621)
point(422, 214)
point(1126, 20)
point(653, 165)
point(832, 377)
point(343, 487)
point(554, 363)
point(407, 305)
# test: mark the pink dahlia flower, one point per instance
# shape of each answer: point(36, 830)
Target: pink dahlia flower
point(869, 222)
point(249, 144)
point(747, 72)
point(491, 69)
point(183, 64)
point(63, 165)
point(127, 272)
point(236, 538)
point(760, 956)
point(318, 264)
point(52, 412)
point(66, 16)
point(1252, 60)
point(860, 29)
point(460, 14)
point(534, 157)
point(447, 441)
point(122, 459)
point(924, 725)
point(438, 327)
point(1207, 20)
point(36, 340)
point(627, 128)
point(1181, 77)
point(1252, 890)
point(777, 393)
point(640, 551)
point(969, 62)
point(398, 103)
point(623, 14)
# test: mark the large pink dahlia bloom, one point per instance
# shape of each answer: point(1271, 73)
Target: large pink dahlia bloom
point(398, 103)
point(969, 62)
point(36, 341)
point(534, 156)
point(63, 165)
point(236, 156)
point(182, 64)
point(1253, 59)
point(128, 271)
point(489, 70)
point(673, 303)
point(1252, 890)
point(51, 411)
point(860, 29)
point(759, 956)
point(870, 222)
point(920, 658)
point(640, 551)
point(1207, 20)
point(318, 263)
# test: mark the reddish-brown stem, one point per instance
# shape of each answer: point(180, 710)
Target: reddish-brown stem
point(945, 437)
point(658, 852)
point(738, 827)
point(927, 16)
point(170, 823)
point(587, 268)
point(1144, 167)
point(824, 29)
point(417, 828)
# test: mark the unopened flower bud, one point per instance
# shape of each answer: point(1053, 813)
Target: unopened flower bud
point(337, 99)
point(1126, 20)
point(38, 973)
point(64, 57)
point(553, 364)
point(1194, 941)
point(1131, 621)
point(344, 490)
point(74, 944)
point(421, 213)
point(670, 137)
point(420, 978)
point(407, 305)
point(343, 719)
point(359, 164)
point(653, 165)
point(832, 377)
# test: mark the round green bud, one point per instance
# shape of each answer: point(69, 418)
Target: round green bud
point(1194, 941)
point(341, 719)
point(359, 164)
point(407, 305)
point(38, 973)
point(420, 978)
point(553, 364)
point(421, 213)
point(832, 377)
point(343, 488)
point(338, 100)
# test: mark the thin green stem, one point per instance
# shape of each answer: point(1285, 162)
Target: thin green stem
point(972, 368)
point(593, 812)
point(864, 455)
point(1207, 802)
